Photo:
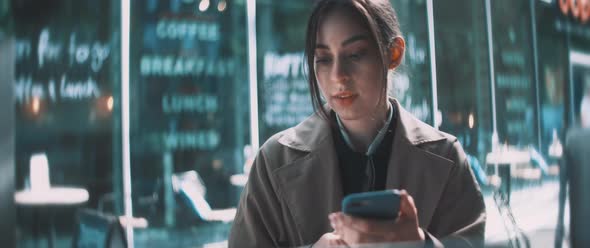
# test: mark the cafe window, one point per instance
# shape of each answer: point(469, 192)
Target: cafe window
point(514, 81)
point(283, 92)
point(189, 118)
point(66, 92)
point(553, 76)
point(411, 82)
point(463, 78)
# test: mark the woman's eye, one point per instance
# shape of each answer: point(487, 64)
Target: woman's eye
point(322, 60)
point(355, 56)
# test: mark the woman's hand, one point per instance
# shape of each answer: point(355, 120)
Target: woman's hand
point(360, 230)
point(331, 239)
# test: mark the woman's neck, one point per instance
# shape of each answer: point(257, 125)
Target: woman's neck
point(363, 131)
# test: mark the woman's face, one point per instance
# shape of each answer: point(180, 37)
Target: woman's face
point(348, 66)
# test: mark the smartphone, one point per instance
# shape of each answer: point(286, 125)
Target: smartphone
point(374, 205)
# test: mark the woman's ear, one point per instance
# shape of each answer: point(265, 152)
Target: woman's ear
point(396, 52)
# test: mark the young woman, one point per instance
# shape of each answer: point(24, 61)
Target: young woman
point(358, 140)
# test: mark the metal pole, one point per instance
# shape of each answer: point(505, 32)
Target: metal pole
point(252, 66)
point(572, 113)
point(125, 20)
point(431, 42)
point(491, 64)
point(169, 203)
point(536, 71)
point(7, 138)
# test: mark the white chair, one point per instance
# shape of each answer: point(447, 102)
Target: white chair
point(192, 188)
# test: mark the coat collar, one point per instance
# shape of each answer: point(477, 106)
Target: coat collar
point(310, 133)
point(315, 177)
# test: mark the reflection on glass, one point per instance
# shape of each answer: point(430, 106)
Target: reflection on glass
point(410, 83)
point(515, 88)
point(464, 90)
point(188, 92)
point(66, 66)
point(282, 88)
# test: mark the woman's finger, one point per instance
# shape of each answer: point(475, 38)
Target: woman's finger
point(407, 206)
point(338, 242)
point(367, 227)
point(334, 240)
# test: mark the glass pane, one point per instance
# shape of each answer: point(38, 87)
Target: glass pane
point(463, 78)
point(553, 76)
point(189, 118)
point(513, 62)
point(283, 91)
point(528, 112)
point(66, 84)
point(411, 83)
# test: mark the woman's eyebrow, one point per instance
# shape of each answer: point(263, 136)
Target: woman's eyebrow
point(352, 39)
point(321, 46)
point(355, 38)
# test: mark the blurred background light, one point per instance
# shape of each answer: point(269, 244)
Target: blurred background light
point(36, 105)
point(204, 5)
point(221, 5)
point(110, 103)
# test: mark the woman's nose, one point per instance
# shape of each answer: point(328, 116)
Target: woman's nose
point(339, 72)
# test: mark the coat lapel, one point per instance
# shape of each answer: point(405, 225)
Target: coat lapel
point(423, 174)
point(311, 185)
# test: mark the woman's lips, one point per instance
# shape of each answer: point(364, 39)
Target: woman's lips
point(344, 99)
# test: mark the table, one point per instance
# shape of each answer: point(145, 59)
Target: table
point(504, 160)
point(51, 197)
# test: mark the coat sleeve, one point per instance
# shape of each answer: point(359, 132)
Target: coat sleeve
point(459, 219)
point(258, 222)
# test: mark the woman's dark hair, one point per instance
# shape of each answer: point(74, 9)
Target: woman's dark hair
point(377, 15)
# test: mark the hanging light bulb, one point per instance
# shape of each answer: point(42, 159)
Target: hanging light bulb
point(110, 103)
point(221, 5)
point(203, 5)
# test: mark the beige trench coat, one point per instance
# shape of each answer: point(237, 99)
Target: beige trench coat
point(295, 183)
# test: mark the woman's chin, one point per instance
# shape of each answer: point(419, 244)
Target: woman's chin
point(348, 114)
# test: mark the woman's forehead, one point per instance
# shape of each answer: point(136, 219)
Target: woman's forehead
point(341, 25)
